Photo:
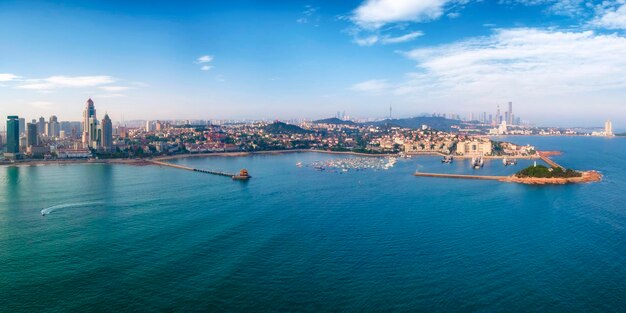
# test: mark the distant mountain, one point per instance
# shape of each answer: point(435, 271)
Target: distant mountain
point(334, 121)
point(438, 123)
point(284, 128)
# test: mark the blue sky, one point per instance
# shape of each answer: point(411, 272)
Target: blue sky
point(560, 61)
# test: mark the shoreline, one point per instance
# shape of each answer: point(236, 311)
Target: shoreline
point(146, 161)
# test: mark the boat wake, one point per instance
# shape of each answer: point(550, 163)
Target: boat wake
point(53, 208)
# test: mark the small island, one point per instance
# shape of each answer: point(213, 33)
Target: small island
point(541, 175)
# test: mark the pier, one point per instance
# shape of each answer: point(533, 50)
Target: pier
point(462, 176)
point(549, 161)
point(243, 174)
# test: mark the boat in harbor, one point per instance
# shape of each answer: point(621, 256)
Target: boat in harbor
point(299, 164)
point(508, 162)
point(477, 163)
point(447, 159)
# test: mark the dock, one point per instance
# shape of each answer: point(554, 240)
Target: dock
point(243, 174)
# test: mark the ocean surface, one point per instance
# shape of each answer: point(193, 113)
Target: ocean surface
point(149, 238)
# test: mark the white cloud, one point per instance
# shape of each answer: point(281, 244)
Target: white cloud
point(374, 86)
point(114, 88)
point(6, 77)
point(544, 68)
point(386, 39)
point(204, 59)
point(41, 104)
point(308, 15)
point(56, 82)
point(109, 95)
point(556, 7)
point(374, 14)
point(613, 19)
point(367, 41)
point(404, 38)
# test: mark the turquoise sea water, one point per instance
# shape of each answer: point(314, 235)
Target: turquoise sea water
point(129, 238)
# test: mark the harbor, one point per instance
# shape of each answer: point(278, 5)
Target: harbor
point(353, 163)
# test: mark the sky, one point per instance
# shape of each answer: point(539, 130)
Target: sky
point(561, 62)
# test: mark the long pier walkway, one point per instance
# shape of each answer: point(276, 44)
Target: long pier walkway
point(193, 169)
point(482, 177)
point(549, 161)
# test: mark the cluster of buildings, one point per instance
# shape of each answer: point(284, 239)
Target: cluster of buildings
point(608, 130)
point(51, 138)
point(93, 137)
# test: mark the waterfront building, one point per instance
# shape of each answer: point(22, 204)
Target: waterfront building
point(107, 134)
point(94, 133)
point(13, 136)
point(608, 128)
point(89, 116)
point(32, 138)
point(474, 148)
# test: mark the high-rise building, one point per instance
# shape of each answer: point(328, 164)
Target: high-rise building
point(32, 138)
point(510, 114)
point(94, 133)
point(89, 115)
point(498, 117)
point(22, 125)
point(13, 135)
point(41, 126)
point(107, 134)
point(54, 128)
point(608, 128)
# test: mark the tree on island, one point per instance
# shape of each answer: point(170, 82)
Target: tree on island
point(541, 171)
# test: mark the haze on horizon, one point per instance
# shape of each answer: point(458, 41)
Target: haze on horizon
point(561, 62)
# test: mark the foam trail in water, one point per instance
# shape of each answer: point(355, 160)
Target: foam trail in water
point(53, 208)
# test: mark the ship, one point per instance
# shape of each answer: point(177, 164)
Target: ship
point(447, 159)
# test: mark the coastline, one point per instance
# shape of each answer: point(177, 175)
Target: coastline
point(146, 161)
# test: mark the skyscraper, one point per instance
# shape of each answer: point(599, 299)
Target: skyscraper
point(107, 134)
point(31, 135)
point(53, 129)
point(13, 135)
point(22, 125)
point(89, 115)
point(41, 126)
point(498, 117)
point(608, 128)
point(510, 115)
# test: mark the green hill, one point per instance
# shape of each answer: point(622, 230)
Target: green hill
point(284, 128)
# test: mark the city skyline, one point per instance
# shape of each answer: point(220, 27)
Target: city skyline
point(311, 59)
